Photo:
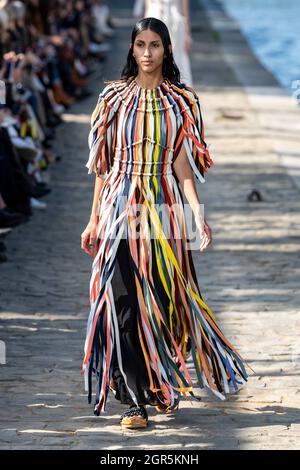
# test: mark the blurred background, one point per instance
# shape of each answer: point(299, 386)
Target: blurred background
point(272, 29)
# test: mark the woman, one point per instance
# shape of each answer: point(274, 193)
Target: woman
point(147, 314)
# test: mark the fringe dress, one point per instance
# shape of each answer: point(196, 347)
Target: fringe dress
point(147, 316)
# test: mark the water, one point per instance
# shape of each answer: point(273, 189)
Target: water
point(272, 28)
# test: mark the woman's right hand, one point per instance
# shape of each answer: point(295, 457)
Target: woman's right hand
point(89, 238)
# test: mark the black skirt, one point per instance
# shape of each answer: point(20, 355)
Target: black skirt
point(133, 362)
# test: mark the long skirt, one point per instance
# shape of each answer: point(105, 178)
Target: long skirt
point(133, 361)
point(126, 304)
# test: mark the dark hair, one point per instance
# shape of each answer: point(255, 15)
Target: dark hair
point(169, 68)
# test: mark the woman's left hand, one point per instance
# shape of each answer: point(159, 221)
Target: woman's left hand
point(206, 236)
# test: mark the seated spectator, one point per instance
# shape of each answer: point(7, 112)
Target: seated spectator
point(46, 52)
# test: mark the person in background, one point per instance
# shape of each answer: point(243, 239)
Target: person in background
point(175, 14)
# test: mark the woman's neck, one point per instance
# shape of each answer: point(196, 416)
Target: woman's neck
point(146, 81)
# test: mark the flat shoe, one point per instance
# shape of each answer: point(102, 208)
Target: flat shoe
point(135, 417)
point(167, 409)
point(133, 422)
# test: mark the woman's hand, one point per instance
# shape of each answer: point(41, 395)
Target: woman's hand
point(89, 238)
point(205, 234)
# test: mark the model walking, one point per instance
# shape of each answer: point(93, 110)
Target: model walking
point(147, 314)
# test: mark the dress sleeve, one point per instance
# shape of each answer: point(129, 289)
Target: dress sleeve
point(100, 138)
point(192, 136)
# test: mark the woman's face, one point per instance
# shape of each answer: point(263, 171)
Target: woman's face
point(148, 51)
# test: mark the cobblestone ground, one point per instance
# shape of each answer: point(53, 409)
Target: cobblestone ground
point(248, 277)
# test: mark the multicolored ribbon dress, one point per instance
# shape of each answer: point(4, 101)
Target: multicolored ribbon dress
point(135, 136)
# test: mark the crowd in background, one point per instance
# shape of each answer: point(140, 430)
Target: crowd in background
point(47, 52)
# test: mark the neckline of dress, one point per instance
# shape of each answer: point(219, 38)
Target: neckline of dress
point(158, 87)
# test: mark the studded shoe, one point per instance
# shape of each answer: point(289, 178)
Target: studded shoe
point(135, 417)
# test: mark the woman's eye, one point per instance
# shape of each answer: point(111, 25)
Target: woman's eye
point(141, 45)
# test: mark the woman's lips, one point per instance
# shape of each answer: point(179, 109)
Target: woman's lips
point(147, 62)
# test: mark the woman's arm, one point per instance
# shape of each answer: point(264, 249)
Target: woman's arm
point(185, 176)
point(89, 235)
point(187, 25)
point(186, 15)
point(99, 181)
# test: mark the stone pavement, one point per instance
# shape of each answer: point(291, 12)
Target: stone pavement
point(248, 277)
